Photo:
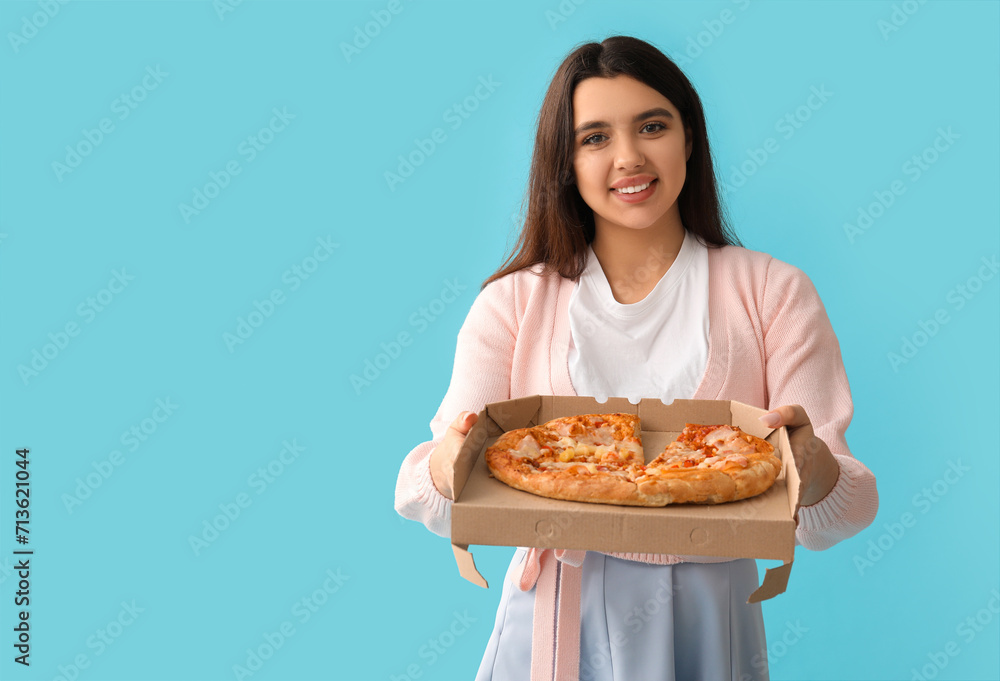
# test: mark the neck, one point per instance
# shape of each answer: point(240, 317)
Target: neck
point(634, 260)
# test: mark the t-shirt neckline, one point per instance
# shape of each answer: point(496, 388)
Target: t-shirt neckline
point(595, 278)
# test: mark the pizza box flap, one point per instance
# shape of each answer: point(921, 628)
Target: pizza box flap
point(657, 416)
point(513, 414)
point(775, 582)
point(748, 419)
point(557, 406)
point(485, 429)
point(467, 565)
point(494, 419)
point(791, 475)
point(489, 512)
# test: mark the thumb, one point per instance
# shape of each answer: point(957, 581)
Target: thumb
point(464, 422)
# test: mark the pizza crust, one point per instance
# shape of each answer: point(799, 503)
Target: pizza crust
point(587, 487)
point(598, 458)
point(694, 486)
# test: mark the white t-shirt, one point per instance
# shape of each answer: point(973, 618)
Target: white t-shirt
point(657, 347)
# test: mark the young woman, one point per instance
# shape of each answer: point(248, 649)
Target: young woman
point(626, 283)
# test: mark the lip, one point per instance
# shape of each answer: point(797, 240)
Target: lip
point(632, 181)
point(638, 197)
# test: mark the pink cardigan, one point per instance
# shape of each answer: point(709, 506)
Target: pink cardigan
point(770, 344)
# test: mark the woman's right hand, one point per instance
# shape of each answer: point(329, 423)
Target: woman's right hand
point(444, 455)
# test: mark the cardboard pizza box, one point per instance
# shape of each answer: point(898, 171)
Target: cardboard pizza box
point(486, 511)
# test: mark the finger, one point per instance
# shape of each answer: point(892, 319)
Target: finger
point(804, 443)
point(790, 416)
point(463, 423)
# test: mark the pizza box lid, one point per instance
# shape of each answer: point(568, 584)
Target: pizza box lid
point(487, 511)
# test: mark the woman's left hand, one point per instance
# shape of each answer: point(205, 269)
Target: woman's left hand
point(818, 469)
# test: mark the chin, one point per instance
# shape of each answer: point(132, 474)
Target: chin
point(634, 222)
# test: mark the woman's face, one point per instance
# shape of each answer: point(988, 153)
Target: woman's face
point(627, 133)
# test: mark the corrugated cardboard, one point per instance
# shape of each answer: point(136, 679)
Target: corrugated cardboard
point(487, 511)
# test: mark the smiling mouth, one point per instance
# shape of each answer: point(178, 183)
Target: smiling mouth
point(634, 190)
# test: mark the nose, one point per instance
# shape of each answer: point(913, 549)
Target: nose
point(627, 153)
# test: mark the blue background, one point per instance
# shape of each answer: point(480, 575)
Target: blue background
point(323, 176)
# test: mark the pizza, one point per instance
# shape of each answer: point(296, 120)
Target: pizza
point(598, 458)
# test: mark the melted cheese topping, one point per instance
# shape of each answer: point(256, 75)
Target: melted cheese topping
point(582, 467)
point(719, 435)
point(528, 448)
point(722, 446)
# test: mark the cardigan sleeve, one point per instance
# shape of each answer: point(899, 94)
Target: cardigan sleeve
point(481, 374)
point(804, 366)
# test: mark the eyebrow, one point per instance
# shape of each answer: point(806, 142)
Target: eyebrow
point(659, 111)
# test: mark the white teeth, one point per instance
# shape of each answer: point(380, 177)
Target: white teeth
point(633, 190)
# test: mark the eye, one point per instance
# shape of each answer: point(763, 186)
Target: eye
point(594, 139)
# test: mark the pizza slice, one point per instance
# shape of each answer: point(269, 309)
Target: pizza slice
point(710, 464)
point(591, 457)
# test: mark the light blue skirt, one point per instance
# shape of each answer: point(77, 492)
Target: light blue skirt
point(642, 622)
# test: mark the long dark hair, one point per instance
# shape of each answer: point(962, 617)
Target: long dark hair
point(559, 225)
